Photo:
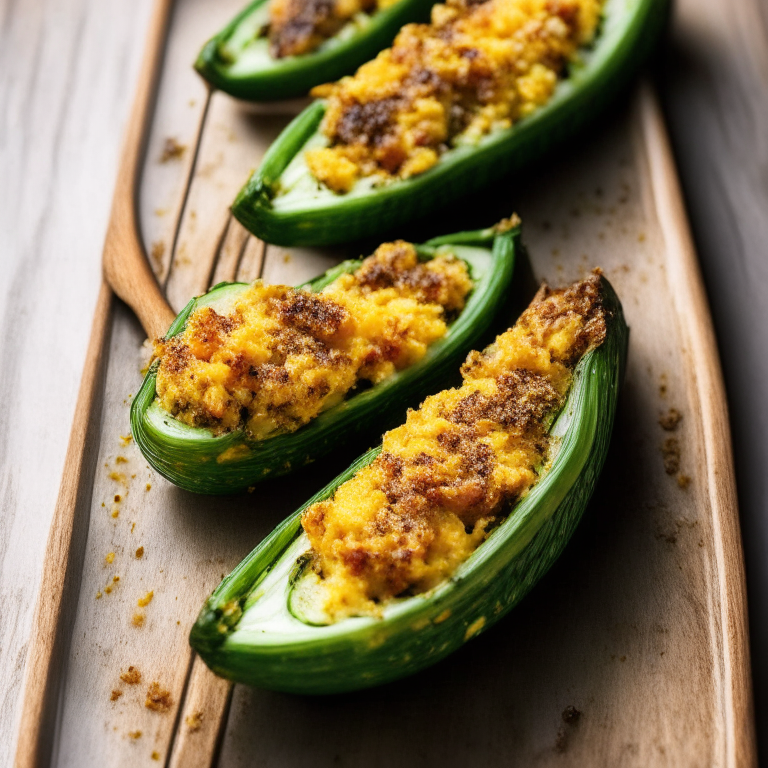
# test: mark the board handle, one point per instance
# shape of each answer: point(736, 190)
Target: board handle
point(125, 263)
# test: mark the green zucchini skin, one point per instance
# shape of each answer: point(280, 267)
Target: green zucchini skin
point(192, 458)
point(283, 653)
point(317, 216)
point(293, 76)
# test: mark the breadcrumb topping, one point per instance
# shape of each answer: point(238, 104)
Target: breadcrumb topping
point(478, 67)
point(282, 355)
point(300, 26)
point(404, 523)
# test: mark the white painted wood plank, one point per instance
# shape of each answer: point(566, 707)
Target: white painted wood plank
point(65, 75)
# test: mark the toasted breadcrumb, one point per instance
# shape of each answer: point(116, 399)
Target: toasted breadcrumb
point(478, 67)
point(406, 521)
point(132, 676)
point(282, 356)
point(194, 721)
point(158, 698)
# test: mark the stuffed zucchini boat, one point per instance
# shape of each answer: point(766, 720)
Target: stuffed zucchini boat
point(280, 49)
point(430, 539)
point(484, 89)
point(256, 381)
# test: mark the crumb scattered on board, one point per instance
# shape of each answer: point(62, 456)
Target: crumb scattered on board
point(134, 735)
point(158, 698)
point(670, 420)
point(109, 558)
point(172, 150)
point(143, 602)
point(194, 721)
point(139, 553)
point(670, 451)
point(132, 676)
point(116, 694)
point(571, 715)
point(158, 251)
point(138, 619)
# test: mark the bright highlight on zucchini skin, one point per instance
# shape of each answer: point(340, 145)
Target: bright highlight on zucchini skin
point(197, 460)
point(283, 203)
point(249, 632)
point(237, 60)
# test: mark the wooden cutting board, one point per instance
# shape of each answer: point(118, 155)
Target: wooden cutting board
point(631, 652)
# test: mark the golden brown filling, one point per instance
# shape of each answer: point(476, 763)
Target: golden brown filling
point(281, 356)
point(300, 26)
point(477, 67)
point(406, 521)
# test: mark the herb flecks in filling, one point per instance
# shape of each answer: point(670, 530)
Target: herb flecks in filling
point(300, 26)
point(404, 523)
point(281, 356)
point(478, 67)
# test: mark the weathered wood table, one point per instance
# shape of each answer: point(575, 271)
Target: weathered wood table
point(66, 77)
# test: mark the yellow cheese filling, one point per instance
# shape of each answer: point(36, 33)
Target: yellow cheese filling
point(300, 26)
point(479, 66)
point(404, 523)
point(281, 356)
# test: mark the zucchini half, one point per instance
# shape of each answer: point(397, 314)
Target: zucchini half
point(283, 203)
point(259, 628)
point(197, 460)
point(237, 59)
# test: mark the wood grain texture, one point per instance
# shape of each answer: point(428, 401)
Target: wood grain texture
point(715, 87)
point(67, 72)
point(655, 535)
point(699, 338)
point(60, 581)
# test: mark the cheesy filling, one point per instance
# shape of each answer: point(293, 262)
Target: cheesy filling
point(478, 67)
point(281, 356)
point(404, 523)
point(300, 26)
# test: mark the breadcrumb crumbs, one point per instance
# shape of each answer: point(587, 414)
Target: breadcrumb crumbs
point(138, 620)
point(132, 676)
point(134, 735)
point(670, 420)
point(121, 460)
point(158, 698)
point(139, 553)
point(143, 602)
point(194, 721)
point(172, 150)
point(115, 695)
point(110, 558)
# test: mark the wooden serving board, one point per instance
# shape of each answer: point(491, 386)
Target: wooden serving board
point(631, 652)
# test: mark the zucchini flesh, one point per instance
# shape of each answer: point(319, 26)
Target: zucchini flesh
point(254, 630)
point(283, 203)
point(237, 59)
point(197, 460)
